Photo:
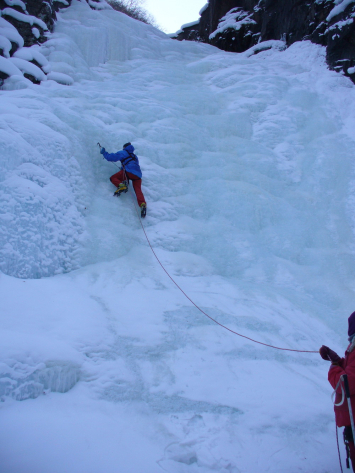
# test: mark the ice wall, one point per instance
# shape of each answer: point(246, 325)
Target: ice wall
point(46, 179)
point(266, 145)
point(232, 146)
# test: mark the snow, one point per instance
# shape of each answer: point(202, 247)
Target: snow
point(36, 33)
point(264, 46)
point(204, 8)
point(98, 5)
point(28, 68)
point(8, 31)
point(32, 20)
point(60, 78)
point(6, 46)
point(174, 35)
point(234, 19)
point(8, 67)
point(33, 54)
point(188, 25)
point(16, 3)
point(340, 7)
point(249, 177)
point(340, 25)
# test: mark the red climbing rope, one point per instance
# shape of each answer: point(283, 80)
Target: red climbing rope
point(199, 308)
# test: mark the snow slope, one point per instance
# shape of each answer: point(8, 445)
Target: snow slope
point(248, 173)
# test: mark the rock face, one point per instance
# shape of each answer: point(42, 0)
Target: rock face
point(237, 25)
point(22, 15)
point(23, 25)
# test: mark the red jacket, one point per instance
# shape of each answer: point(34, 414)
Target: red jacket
point(346, 366)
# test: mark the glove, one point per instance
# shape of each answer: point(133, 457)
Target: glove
point(102, 151)
point(327, 354)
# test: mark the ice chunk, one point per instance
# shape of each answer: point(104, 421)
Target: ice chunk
point(21, 381)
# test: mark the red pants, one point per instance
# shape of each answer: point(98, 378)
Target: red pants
point(119, 177)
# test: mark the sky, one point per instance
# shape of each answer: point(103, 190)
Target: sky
point(171, 14)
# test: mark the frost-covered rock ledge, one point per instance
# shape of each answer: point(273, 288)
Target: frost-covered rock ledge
point(24, 25)
point(238, 25)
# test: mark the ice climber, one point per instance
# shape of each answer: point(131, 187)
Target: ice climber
point(130, 171)
point(339, 367)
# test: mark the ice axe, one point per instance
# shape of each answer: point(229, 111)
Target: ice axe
point(98, 144)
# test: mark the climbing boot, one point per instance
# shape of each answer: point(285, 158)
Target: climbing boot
point(123, 187)
point(143, 209)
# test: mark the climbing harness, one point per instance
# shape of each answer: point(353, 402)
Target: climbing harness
point(131, 157)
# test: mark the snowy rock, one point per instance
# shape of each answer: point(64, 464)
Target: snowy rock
point(9, 32)
point(31, 71)
point(33, 54)
point(8, 68)
point(238, 25)
point(28, 23)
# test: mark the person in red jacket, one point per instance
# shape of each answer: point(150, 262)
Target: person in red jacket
point(339, 367)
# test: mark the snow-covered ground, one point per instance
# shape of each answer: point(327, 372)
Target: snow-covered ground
point(248, 172)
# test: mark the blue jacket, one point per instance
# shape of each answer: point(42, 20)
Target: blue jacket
point(125, 156)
